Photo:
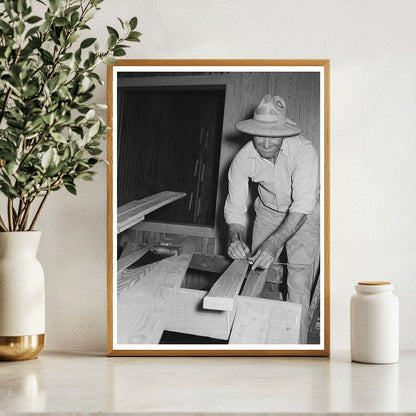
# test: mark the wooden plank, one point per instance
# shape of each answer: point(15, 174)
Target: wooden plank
point(126, 261)
point(254, 283)
point(187, 316)
point(135, 211)
point(226, 288)
point(208, 263)
point(142, 310)
point(181, 229)
point(264, 321)
point(129, 277)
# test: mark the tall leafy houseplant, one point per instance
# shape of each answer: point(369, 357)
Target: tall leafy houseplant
point(50, 134)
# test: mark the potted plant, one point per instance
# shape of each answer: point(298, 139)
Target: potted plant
point(50, 136)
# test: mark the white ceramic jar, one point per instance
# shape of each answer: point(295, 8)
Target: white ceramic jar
point(374, 323)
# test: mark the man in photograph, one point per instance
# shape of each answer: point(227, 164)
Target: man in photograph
point(284, 164)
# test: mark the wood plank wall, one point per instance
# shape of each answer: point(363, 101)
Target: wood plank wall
point(300, 90)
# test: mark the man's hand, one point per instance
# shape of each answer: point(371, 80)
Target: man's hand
point(265, 255)
point(238, 250)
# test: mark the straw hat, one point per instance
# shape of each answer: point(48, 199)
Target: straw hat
point(269, 119)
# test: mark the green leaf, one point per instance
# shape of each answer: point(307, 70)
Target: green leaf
point(67, 153)
point(112, 31)
point(21, 176)
point(21, 5)
point(54, 4)
point(74, 18)
point(94, 129)
point(86, 176)
point(47, 158)
point(58, 137)
point(121, 22)
point(90, 115)
point(133, 37)
point(72, 39)
point(61, 21)
point(8, 191)
point(32, 31)
point(20, 28)
point(46, 56)
point(112, 40)
point(110, 60)
point(11, 168)
point(6, 29)
point(33, 19)
point(10, 8)
point(88, 16)
point(133, 23)
point(35, 125)
point(70, 188)
point(48, 118)
point(119, 52)
point(87, 42)
point(52, 171)
point(94, 151)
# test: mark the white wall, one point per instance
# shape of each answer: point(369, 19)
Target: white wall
point(373, 146)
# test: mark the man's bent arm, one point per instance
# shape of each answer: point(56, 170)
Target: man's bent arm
point(267, 252)
point(288, 229)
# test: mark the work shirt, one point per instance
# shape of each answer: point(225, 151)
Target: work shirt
point(289, 185)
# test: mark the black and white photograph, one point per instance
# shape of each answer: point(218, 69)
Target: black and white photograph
point(218, 208)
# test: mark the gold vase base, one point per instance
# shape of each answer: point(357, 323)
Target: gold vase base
point(20, 348)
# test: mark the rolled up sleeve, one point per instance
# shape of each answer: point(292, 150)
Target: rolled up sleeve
point(305, 181)
point(235, 209)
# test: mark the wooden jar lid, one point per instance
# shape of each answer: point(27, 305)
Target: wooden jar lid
point(374, 283)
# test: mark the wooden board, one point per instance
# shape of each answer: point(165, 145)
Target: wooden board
point(126, 261)
point(143, 309)
point(254, 283)
point(187, 316)
point(183, 229)
point(129, 277)
point(264, 321)
point(226, 288)
point(134, 211)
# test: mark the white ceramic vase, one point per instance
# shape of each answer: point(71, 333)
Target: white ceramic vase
point(22, 296)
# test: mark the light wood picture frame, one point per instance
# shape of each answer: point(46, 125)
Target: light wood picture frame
point(172, 290)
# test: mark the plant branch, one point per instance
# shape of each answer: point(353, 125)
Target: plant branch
point(10, 213)
point(32, 225)
point(32, 149)
point(26, 216)
point(2, 224)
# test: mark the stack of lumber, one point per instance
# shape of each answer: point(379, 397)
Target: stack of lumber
point(156, 303)
point(135, 211)
point(151, 299)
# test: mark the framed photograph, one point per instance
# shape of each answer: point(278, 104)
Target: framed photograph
point(218, 208)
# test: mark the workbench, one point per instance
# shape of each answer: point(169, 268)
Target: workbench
point(88, 382)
